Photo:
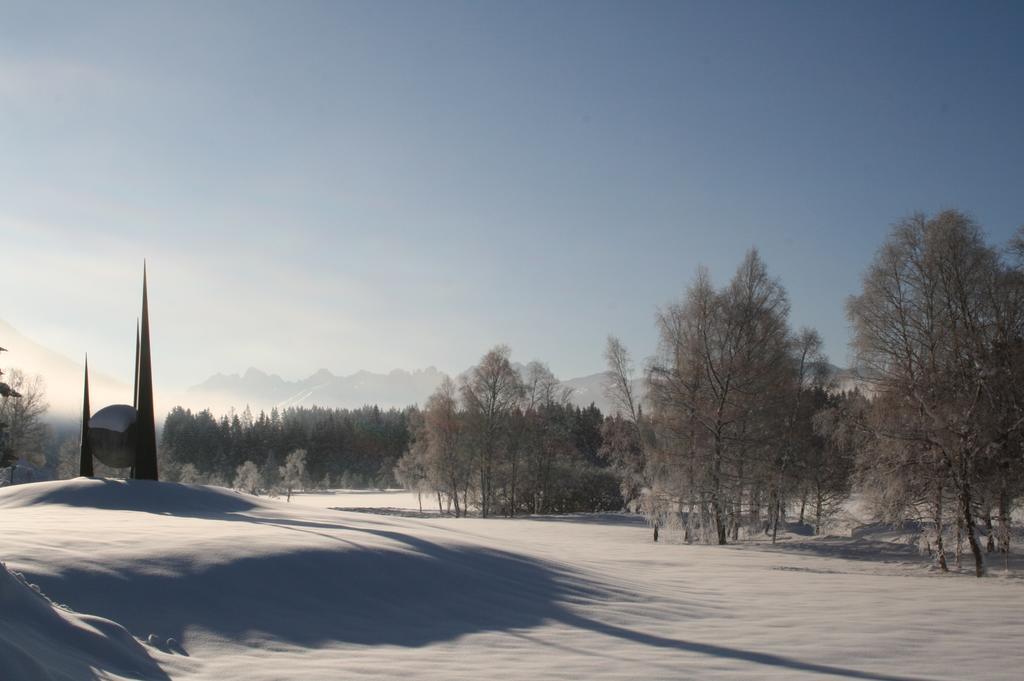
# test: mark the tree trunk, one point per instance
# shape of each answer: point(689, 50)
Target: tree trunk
point(990, 530)
point(1004, 520)
point(483, 493)
point(755, 508)
point(818, 503)
point(968, 519)
point(775, 513)
point(738, 511)
point(939, 546)
point(716, 493)
point(959, 552)
point(512, 495)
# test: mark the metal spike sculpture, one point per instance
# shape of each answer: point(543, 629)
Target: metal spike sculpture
point(85, 465)
point(120, 435)
point(135, 376)
point(145, 455)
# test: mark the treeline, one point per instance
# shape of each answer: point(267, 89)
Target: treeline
point(521, 447)
point(939, 323)
point(742, 429)
point(739, 427)
point(352, 448)
point(508, 443)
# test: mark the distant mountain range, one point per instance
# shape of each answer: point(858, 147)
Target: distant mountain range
point(62, 378)
point(260, 390)
point(398, 388)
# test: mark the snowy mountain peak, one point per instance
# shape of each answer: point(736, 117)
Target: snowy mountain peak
point(398, 388)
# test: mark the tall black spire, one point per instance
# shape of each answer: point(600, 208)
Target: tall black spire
point(85, 462)
point(135, 388)
point(145, 454)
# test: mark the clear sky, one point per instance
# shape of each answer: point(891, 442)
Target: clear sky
point(396, 185)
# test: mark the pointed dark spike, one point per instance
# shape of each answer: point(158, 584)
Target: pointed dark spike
point(135, 388)
point(145, 452)
point(85, 460)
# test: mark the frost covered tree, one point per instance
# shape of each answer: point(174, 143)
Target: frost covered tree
point(22, 408)
point(189, 475)
point(411, 470)
point(827, 466)
point(714, 389)
point(490, 392)
point(939, 326)
point(514, 442)
point(447, 463)
point(623, 432)
point(293, 472)
point(248, 478)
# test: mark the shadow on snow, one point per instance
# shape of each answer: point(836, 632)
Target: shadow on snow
point(412, 592)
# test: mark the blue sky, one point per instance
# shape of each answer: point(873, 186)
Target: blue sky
point(396, 185)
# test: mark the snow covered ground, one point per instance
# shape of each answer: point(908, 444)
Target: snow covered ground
point(249, 588)
point(363, 499)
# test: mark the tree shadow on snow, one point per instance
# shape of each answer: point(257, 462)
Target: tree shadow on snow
point(411, 594)
point(408, 591)
point(727, 652)
point(847, 548)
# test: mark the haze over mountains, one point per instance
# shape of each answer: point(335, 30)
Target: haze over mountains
point(261, 390)
point(398, 388)
point(256, 389)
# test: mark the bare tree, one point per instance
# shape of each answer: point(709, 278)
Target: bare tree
point(448, 464)
point(623, 433)
point(721, 357)
point(619, 380)
point(938, 324)
point(24, 432)
point(490, 392)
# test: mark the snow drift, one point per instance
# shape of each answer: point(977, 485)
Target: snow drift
point(40, 640)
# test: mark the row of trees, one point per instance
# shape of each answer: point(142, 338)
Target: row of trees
point(509, 442)
point(742, 425)
point(739, 426)
point(939, 329)
point(502, 442)
point(270, 480)
point(344, 447)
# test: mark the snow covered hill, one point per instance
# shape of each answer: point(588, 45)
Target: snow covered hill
point(191, 582)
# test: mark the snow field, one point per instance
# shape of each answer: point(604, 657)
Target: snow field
point(261, 589)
